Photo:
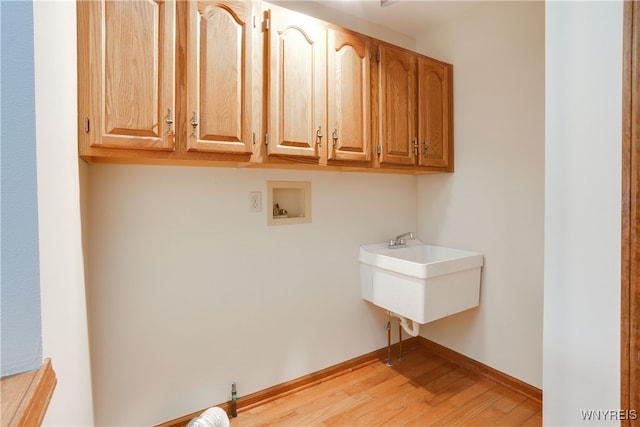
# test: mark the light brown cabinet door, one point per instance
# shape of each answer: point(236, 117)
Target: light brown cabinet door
point(434, 115)
point(219, 77)
point(132, 76)
point(296, 106)
point(397, 105)
point(348, 93)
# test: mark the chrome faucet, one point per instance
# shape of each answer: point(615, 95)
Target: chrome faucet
point(400, 242)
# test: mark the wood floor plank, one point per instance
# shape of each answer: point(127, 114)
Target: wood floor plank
point(466, 413)
point(522, 414)
point(332, 408)
point(488, 417)
point(371, 412)
point(481, 386)
point(510, 400)
point(431, 377)
point(383, 394)
point(346, 384)
point(421, 390)
point(450, 384)
point(370, 381)
point(494, 415)
point(416, 405)
point(534, 421)
point(431, 416)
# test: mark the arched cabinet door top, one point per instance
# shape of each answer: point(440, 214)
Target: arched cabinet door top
point(434, 118)
point(208, 9)
point(397, 106)
point(131, 78)
point(296, 99)
point(348, 97)
point(219, 95)
point(291, 28)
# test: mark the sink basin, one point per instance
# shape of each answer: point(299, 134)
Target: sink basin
point(420, 282)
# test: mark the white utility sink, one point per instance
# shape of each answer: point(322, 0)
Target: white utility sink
point(420, 282)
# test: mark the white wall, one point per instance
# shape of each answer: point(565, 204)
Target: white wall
point(494, 202)
point(582, 215)
point(189, 291)
point(64, 316)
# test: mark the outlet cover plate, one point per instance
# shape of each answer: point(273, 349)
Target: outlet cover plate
point(255, 201)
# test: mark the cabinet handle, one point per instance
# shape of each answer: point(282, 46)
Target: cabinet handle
point(319, 136)
point(425, 147)
point(335, 137)
point(194, 124)
point(169, 121)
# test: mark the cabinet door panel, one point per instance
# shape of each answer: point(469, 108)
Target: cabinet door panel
point(348, 96)
point(131, 54)
point(297, 46)
point(434, 116)
point(397, 105)
point(219, 85)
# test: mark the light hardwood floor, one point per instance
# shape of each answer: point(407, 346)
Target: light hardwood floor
point(422, 390)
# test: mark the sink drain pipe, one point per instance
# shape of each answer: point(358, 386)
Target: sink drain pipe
point(404, 322)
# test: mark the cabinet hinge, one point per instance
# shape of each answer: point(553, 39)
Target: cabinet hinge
point(267, 24)
point(86, 124)
point(415, 146)
point(379, 149)
point(266, 138)
point(253, 138)
point(378, 56)
point(254, 21)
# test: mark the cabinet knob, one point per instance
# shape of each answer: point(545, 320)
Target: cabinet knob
point(319, 136)
point(169, 121)
point(194, 124)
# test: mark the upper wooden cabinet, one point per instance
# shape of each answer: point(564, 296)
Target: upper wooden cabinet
point(396, 107)
point(295, 84)
point(348, 96)
point(127, 74)
point(412, 109)
point(434, 113)
point(246, 83)
point(318, 90)
point(219, 95)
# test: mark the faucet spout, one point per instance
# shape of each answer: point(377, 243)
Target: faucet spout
point(400, 241)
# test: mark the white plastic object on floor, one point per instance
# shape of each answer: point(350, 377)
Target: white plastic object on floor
point(212, 417)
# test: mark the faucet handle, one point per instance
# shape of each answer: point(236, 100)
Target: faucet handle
point(400, 241)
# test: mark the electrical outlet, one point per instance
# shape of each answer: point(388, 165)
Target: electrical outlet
point(255, 201)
